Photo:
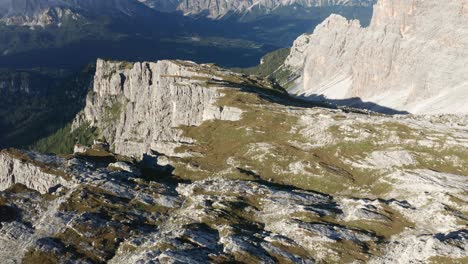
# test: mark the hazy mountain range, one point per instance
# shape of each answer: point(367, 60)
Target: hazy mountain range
point(43, 42)
point(44, 12)
point(34, 32)
point(219, 9)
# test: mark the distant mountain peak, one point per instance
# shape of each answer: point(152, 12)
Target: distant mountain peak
point(220, 8)
point(47, 12)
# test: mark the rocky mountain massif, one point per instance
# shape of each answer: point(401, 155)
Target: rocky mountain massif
point(46, 43)
point(218, 9)
point(49, 34)
point(41, 13)
point(411, 58)
point(46, 12)
point(205, 165)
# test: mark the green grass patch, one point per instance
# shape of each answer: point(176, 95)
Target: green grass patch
point(63, 141)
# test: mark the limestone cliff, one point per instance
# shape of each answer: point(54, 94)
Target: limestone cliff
point(256, 177)
point(138, 106)
point(412, 57)
point(29, 169)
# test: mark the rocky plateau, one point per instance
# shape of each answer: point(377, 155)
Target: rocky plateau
point(196, 164)
point(178, 162)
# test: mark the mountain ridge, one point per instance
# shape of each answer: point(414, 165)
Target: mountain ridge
point(410, 58)
point(220, 8)
point(47, 12)
point(227, 167)
point(173, 161)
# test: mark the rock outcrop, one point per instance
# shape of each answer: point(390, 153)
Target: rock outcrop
point(229, 168)
point(412, 57)
point(138, 106)
point(31, 170)
point(100, 214)
point(46, 17)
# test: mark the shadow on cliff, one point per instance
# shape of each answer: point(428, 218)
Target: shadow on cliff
point(354, 102)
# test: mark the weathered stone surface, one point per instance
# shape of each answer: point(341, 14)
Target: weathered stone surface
point(412, 57)
point(138, 106)
point(254, 177)
point(124, 166)
point(27, 170)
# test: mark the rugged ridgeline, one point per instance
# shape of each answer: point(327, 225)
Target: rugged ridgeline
point(235, 170)
point(412, 57)
point(47, 12)
point(33, 32)
point(56, 12)
point(220, 8)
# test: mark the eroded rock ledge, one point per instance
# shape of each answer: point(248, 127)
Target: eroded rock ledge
point(102, 212)
point(138, 106)
point(30, 169)
point(247, 174)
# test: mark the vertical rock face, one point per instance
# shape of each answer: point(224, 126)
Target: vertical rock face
point(21, 170)
point(286, 182)
point(137, 106)
point(412, 57)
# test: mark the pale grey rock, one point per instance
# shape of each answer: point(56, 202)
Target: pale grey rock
point(14, 170)
point(429, 193)
point(43, 13)
point(361, 209)
point(204, 220)
point(15, 237)
point(318, 232)
point(419, 249)
point(293, 66)
point(263, 220)
point(38, 218)
point(231, 220)
point(162, 5)
point(39, 13)
point(273, 250)
point(388, 159)
point(80, 149)
point(139, 106)
point(222, 113)
point(217, 9)
point(411, 58)
point(123, 166)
